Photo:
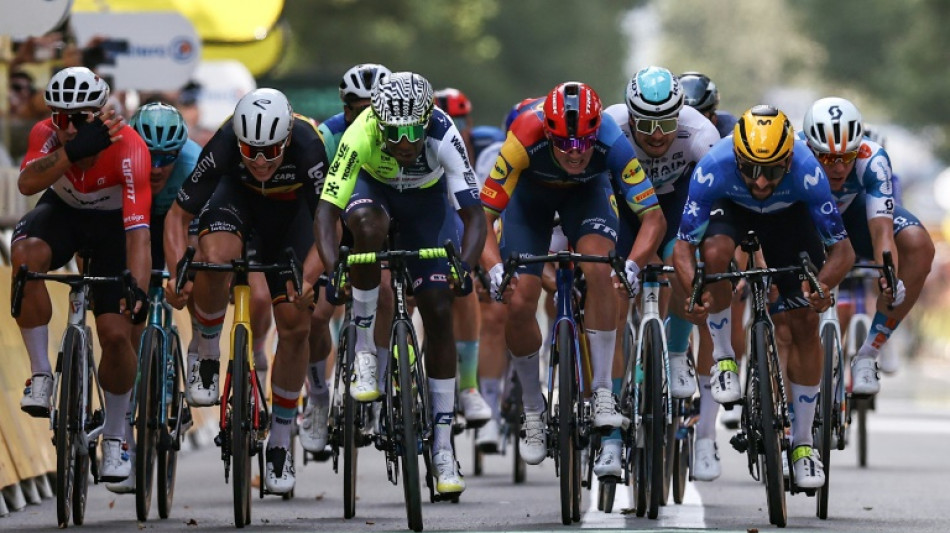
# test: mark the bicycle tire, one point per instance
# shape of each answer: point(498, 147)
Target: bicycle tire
point(565, 438)
point(174, 411)
point(350, 451)
point(772, 430)
point(861, 405)
point(83, 460)
point(67, 419)
point(519, 467)
point(681, 453)
point(655, 418)
point(407, 420)
point(146, 420)
point(669, 449)
point(241, 423)
point(825, 421)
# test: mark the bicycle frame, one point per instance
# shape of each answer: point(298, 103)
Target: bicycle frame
point(650, 311)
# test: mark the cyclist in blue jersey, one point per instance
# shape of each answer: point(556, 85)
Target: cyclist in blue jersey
point(762, 180)
point(703, 96)
point(859, 172)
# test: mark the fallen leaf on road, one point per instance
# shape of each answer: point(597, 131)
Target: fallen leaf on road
point(191, 522)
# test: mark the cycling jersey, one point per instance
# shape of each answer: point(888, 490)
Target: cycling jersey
point(331, 130)
point(725, 123)
point(870, 176)
point(695, 135)
point(717, 177)
point(301, 173)
point(482, 137)
point(362, 147)
point(527, 153)
point(187, 159)
point(118, 180)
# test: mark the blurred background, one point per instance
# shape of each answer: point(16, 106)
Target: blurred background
point(888, 57)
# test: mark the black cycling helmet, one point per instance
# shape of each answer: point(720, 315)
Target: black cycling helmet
point(701, 93)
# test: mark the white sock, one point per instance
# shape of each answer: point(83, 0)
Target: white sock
point(720, 328)
point(319, 393)
point(527, 369)
point(364, 316)
point(491, 391)
point(602, 356)
point(37, 346)
point(442, 396)
point(804, 398)
point(117, 415)
point(708, 410)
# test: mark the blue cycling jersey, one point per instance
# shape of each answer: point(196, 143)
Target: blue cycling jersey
point(187, 159)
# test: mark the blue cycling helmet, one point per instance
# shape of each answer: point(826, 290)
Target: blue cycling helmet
point(161, 126)
point(654, 93)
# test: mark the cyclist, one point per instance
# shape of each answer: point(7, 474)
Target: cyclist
point(668, 139)
point(859, 171)
point(702, 95)
point(565, 158)
point(94, 171)
point(762, 179)
point(173, 157)
point(260, 173)
point(397, 163)
point(467, 319)
point(355, 92)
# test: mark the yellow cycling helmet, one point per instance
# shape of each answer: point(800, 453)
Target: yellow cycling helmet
point(763, 136)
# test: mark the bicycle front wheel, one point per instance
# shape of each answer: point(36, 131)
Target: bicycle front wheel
point(67, 424)
point(241, 422)
point(655, 417)
point(827, 412)
point(170, 433)
point(146, 419)
point(406, 418)
point(861, 405)
point(772, 427)
point(348, 345)
point(567, 391)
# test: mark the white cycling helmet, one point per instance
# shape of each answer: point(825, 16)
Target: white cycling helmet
point(654, 93)
point(263, 117)
point(360, 80)
point(833, 125)
point(76, 88)
point(403, 99)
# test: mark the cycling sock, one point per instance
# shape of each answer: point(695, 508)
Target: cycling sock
point(614, 436)
point(527, 369)
point(442, 396)
point(284, 410)
point(708, 410)
point(209, 329)
point(680, 330)
point(364, 316)
point(382, 363)
point(117, 408)
point(468, 364)
point(601, 356)
point(804, 397)
point(193, 343)
point(720, 328)
point(37, 346)
point(319, 393)
point(491, 391)
point(260, 362)
point(881, 329)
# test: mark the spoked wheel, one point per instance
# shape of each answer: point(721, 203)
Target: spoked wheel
point(83, 460)
point(66, 425)
point(654, 419)
point(171, 432)
point(350, 431)
point(146, 420)
point(567, 469)
point(406, 418)
point(772, 427)
point(827, 412)
point(861, 405)
point(241, 425)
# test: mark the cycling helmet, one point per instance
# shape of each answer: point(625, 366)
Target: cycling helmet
point(654, 93)
point(833, 125)
point(572, 110)
point(263, 117)
point(161, 126)
point(402, 99)
point(874, 134)
point(453, 102)
point(699, 91)
point(76, 88)
point(358, 82)
point(763, 135)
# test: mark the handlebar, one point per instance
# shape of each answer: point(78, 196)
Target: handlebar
point(700, 279)
point(564, 259)
point(887, 269)
point(347, 259)
point(291, 266)
point(75, 281)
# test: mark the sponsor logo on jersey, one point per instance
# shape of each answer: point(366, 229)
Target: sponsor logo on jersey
point(827, 208)
point(643, 195)
point(129, 179)
point(692, 209)
point(489, 193)
point(811, 180)
point(205, 163)
point(633, 173)
point(704, 179)
point(316, 172)
point(331, 189)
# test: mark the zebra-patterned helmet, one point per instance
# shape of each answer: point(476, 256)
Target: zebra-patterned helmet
point(402, 99)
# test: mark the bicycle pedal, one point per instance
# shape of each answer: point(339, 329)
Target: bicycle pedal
point(739, 442)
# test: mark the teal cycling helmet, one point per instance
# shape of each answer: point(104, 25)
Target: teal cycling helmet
point(161, 126)
point(654, 93)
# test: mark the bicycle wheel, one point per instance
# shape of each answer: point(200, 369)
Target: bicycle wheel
point(406, 419)
point(654, 419)
point(861, 405)
point(827, 411)
point(66, 424)
point(83, 461)
point(772, 427)
point(682, 449)
point(350, 431)
point(565, 420)
point(241, 423)
point(170, 433)
point(150, 384)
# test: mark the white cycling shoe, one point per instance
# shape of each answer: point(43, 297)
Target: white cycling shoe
point(314, 432)
point(865, 376)
point(809, 471)
point(534, 441)
point(280, 475)
point(724, 381)
point(706, 465)
point(682, 377)
point(608, 462)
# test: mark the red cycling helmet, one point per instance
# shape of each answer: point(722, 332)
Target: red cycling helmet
point(453, 102)
point(572, 110)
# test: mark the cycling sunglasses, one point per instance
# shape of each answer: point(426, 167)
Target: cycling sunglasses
point(830, 159)
point(567, 144)
point(753, 171)
point(647, 126)
point(62, 119)
point(413, 133)
point(270, 152)
point(163, 159)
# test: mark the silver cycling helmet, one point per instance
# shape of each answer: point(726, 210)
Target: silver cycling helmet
point(263, 117)
point(833, 125)
point(76, 88)
point(358, 82)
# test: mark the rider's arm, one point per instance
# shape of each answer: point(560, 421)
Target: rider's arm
point(475, 233)
point(40, 168)
point(462, 186)
point(327, 241)
point(876, 181)
point(175, 236)
point(499, 186)
point(136, 205)
point(839, 260)
point(652, 229)
point(882, 238)
point(684, 257)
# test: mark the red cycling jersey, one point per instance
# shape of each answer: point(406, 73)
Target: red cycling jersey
point(119, 179)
